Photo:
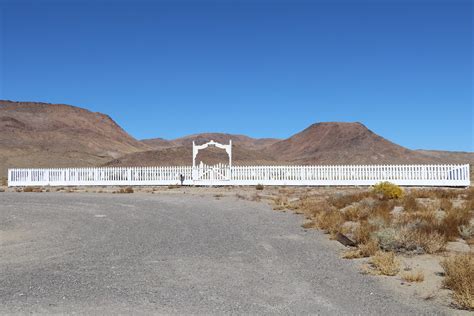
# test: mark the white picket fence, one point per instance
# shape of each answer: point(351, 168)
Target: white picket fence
point(406, 175)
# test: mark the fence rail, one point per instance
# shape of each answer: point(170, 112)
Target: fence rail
point(407, 175)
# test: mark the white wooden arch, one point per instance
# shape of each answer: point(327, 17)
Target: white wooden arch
point(228, 149)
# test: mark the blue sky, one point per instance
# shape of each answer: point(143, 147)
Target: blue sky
point(261, 68)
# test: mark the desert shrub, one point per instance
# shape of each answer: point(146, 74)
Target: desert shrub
point(351, 213)
point(414, 239)
point(450, 224)
point(409, 203)
point(312, 206)
point(342, 200)
point(330, 221)
point(259, 187)
point(387, 238)
point(383, 209)
point(363, 233)
point(280, 202)
point(385, 263)
point(387, 190)
point(369, 248)
point(445, 204)
point(126, 190)
point(32, 189)
point(466, 231)
point(459, 278)
point(413, 276)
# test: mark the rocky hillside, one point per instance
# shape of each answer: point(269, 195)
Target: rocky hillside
point(343, 143)
point(46, 135)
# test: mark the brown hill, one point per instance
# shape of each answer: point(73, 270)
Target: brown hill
point(449, 156)
point(182, 155)
point(244, 141)
point(343, 143)
point(46, 135)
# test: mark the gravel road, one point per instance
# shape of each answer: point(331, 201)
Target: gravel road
point(175, 253)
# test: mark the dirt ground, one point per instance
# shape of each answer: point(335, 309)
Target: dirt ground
point(430, 290)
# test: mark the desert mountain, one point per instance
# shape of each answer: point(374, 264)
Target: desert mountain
point(58, 135)
point(182, 155)
point(321, 143)
point(46, 135)
point(244, 141)
point(343, 143)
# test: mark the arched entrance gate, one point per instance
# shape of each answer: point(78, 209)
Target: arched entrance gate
point(204, 174)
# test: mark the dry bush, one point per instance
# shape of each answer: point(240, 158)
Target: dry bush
point(259, 187)
point(351, 213)
point(409, 203)
point(32, 189)
point(256, 198)
point(385, 263)
point(352, 254)
point(455, 217)
point(363, 233)
point(126, 190)
point(437, 193)
point(466, 231)
point(430, 242)
point(330, 221)
point(369, 249)
point(342, 200)
point(387, 190)
point(383, 209)
point(445, 204)
point(413, 276)
point(460, 279)
point(312, 206)
point(280, 202)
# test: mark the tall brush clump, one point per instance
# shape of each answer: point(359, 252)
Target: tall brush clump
point(460, 279)
point(388, 190)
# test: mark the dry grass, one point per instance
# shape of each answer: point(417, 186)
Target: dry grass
point(330, 221)
point(341, 201)
point(385, 263)
point(460, 279)
point(455, 217)
point(32, 189)
point(413, 276)
point(363, 251)
point(126, 190)
point(280, 202)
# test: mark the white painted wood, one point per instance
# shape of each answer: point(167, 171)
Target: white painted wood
point(406, 175)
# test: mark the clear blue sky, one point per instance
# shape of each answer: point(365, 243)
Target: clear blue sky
point(261, 68)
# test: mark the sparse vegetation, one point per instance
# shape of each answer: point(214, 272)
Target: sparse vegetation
point(387, 221)
point(259, 187)
point(413, 276)
point(32, 189)
point(460, 279)
point(388, 190)
point(385, 263)
point(126, 190)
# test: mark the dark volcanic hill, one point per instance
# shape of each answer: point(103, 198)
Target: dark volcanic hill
point(47, 135)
